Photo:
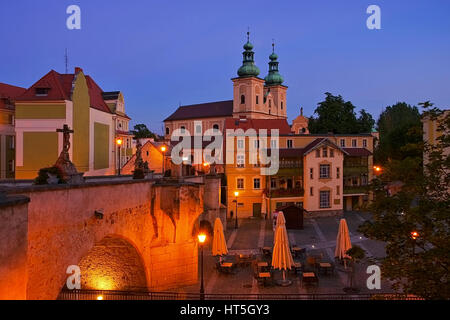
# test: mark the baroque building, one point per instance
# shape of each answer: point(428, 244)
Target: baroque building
point(324, 174)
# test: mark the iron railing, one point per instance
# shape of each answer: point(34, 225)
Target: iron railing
point(147, 295)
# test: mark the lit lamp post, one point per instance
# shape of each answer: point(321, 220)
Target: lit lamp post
point(163, 150)
point(119, 142)
point(414, 236)
point(201, 241)
point(205, 166)
point(236, 222)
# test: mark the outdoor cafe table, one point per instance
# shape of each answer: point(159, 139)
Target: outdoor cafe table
point(267, 251)
point(325, 266)
point(264, 276)
point(227, 266)
point(297, 267)
point(309, 277)
point(263, 265)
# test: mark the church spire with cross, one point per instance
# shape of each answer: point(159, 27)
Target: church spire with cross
point(274, 77)
point(248, 68)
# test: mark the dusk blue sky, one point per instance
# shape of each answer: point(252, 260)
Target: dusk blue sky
point(163, 53)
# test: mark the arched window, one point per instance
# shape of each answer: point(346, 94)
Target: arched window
point(216, 127)
point(242, 99)
point(167, 130)
point(281, 105)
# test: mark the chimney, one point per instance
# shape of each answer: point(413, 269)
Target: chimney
point(78, 69)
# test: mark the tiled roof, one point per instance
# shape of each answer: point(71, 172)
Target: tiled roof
point(357, 152)
point(204, 110)
point(258, 124)
point(60, 86)
point(9, 91)
point(320, 141)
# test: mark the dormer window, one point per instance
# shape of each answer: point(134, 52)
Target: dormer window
point(42, 92)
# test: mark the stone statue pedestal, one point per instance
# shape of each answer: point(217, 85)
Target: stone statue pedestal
point(68, 170)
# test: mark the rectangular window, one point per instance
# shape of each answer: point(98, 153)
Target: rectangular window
point(240, 144)
point(182, 129)
point(273, 183)
point(317, 153)
point(325, 152)
point(364, 143)
point(256, 183)
point(324, 171)
point(289, 144)
point(364, 180)
point(325, 199)
point(331, 153)
point(257, 99)
point(198, 129)
point(11, 166)
point(338, 173)
point(240, 183)
point(338, 190)
point(342, 143)
point(311, 176)
point(311, 191)
point(240, 160)
point(354, 143)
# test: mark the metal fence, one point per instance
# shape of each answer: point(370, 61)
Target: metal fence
point(147, 295)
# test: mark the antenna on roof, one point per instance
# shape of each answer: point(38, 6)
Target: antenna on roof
point(66, 60)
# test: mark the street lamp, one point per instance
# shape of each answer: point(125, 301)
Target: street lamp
point(201, 241)
point(236, 223)
point(414, 236)
point(163, 150)
point(119, 142)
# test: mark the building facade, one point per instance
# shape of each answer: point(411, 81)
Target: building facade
point(324, 174)
point(76, 100)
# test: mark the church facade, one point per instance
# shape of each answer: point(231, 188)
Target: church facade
point(323, 173)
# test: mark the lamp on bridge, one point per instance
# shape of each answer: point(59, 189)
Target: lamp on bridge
point(163, 150)
point(119, 142)
point(236, 193)
point(201, 241)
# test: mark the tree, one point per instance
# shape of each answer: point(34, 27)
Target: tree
point(400, 131)
point(141, 131)
point(338, 116)
point(415, 222)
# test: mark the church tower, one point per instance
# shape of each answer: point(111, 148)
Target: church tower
point(274, 91)
point(248, 88)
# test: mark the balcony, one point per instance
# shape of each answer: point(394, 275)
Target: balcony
point(283, 193)
point(356, 189)
point(355, 170)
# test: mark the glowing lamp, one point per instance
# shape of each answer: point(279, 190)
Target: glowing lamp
point(99, 297)
point(119, 141)
point(201, 237)
point(236, 193)
point(414, 235)
point(163, 148)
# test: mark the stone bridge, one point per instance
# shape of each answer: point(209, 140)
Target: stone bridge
point(123, 235)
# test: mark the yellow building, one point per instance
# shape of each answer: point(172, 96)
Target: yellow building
point(325, 174)
point(73, 99)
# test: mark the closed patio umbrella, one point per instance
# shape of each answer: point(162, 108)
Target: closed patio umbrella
point(342, 241)
point(219, 245)
point(282, 257)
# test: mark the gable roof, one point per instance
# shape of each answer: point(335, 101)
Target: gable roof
point(61, 86)
point(203, 110)
point(320, 141)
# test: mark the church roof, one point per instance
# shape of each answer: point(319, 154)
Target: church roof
point(269, 124)
point(203, 110)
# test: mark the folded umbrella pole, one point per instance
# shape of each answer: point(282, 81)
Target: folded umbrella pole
point(282, 257)
point(342, 242)
point(219, 245)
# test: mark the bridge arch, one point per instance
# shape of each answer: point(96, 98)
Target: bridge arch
point(113, 263)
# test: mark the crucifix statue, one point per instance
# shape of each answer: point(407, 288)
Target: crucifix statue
point(68, 169)
point(66, 141)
